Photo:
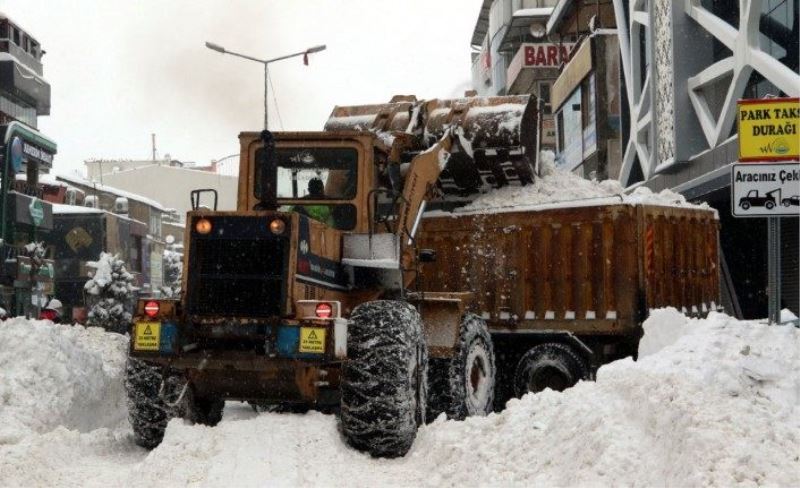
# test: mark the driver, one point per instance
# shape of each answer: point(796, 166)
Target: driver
point(316, 191)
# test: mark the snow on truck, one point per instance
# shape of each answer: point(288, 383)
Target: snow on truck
point(348, 279)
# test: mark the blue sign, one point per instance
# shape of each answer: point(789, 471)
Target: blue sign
point(16, 154)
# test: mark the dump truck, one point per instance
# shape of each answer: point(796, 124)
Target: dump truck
point(333, 286)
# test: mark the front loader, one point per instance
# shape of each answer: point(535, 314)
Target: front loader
point(306, 296)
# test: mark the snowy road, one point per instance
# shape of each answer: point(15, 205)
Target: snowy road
point(711, 402)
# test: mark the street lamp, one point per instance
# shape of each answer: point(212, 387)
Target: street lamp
point(265, 62)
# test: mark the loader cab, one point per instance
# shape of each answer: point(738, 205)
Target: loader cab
point(322, 176)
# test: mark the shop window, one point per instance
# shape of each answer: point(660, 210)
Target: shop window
point(571, 131)
point(136, 254)
point(588, 115)
point(544, 96)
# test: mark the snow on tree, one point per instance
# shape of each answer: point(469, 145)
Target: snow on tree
point(173, 271)
point(110, 294)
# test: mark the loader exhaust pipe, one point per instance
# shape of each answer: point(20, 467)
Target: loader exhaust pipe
point(268, 177)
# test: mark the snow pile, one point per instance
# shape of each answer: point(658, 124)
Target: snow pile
point(58, 375)
point(718, 405)
point(558, 186)
point(714, 402)
point(710, 402)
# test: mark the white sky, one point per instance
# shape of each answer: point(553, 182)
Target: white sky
point(121, 70)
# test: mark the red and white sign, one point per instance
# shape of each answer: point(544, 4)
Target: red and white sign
point(545, 55)
point(151, 308)
point(324, 310)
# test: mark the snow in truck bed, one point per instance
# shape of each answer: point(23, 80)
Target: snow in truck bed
point(557, 188)
point(710, 402)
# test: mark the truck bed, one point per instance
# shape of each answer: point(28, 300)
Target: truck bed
point(589, 270)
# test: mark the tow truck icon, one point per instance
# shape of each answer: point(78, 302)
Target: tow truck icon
point(769, 200)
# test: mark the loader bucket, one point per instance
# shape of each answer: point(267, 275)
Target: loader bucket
point(385, 117)
point(500, 123)
point(496, 143)
point(497, 138)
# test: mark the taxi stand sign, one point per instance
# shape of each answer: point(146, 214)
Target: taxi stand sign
point(769, 129)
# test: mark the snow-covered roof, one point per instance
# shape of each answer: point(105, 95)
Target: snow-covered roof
point(61, 209)
point(19, 64)
point(534, 12)
point(77, 180)
point(559, 11)
point(168, 168)
point(44, 178)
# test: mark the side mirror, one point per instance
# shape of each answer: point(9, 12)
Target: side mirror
point(427, 255)
point(197, 194)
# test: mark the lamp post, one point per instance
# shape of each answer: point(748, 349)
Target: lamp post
point(266, 62)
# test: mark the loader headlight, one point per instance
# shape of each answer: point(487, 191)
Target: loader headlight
point(277, 226)
point(203, 226)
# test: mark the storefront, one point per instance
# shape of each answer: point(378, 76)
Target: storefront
point(25, 279)
point(586, 98)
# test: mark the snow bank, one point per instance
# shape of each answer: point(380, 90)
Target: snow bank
point(558, 186)
point(59, 375)
point(714, 402)
point(719, 405)
point(710, 402)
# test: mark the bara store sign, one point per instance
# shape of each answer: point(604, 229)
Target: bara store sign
point(765, 183)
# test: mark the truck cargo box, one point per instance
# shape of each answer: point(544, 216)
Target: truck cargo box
point(588, 270)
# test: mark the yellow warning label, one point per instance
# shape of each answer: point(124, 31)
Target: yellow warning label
point(147, 337)
point(312, 339)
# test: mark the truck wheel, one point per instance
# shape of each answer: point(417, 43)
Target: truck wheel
point(147, 412)
point(463, 386)
point(203, 411)
point(383, 382)
point(770, 205)
point(745, 205)
point(550, 365)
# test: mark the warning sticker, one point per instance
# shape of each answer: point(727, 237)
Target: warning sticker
point(148, 335)
point(312, 339)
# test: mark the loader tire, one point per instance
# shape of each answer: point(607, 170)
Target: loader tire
point(550, 365)
point(463, 385)
point(147, 412)
point(383, 386)
point(203, 411)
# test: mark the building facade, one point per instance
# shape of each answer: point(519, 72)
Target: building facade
point(171, 186)
point(25, 153)
point(648, 97)
point(144, 254)
point(686, 64)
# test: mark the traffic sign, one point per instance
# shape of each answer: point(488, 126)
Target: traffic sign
point(765, 190)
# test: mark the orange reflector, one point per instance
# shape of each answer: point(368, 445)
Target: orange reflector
point(151, 308)
point(324, 310)
point(203, 226)
point(277, 226)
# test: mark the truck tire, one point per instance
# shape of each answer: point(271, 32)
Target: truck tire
point(770, 205)
point(203, 411)
point(550, 365)
point(383, 386)
point(463, 386)
point(147, 412)
point(745, 205)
